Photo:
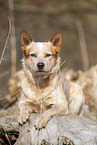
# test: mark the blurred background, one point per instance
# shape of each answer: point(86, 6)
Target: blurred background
point(77, 19)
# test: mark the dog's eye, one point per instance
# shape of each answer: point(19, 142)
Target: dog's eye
point(32, 55)
point(48, 55)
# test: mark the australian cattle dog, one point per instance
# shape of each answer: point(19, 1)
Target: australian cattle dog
point(44, 90)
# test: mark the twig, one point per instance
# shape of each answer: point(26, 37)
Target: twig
point(6, 41)
point(4, 74)
point(62, 64)
point(13, 40)
point(12, 99)
point(83, 45)
point(2, 98)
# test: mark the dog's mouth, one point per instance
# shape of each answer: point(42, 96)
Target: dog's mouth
point(42, 72)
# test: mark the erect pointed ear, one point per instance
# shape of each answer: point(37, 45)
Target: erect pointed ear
point(56, 40)
point(25, 40)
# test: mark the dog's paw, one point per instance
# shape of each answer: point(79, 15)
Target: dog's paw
point(40, 123)
point(24, 115)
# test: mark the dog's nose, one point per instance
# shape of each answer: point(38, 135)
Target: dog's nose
point(40, 65)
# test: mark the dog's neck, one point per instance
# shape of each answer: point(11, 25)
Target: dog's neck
point(41, 82)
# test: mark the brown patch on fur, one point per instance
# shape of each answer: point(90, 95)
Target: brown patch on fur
point(25, 41)
point(43, 83)
point(26, 53)
point(54, 52)
point(36, 107)
point(56, 40)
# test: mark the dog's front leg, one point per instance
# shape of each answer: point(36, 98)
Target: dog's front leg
point(24, 112)
point(45, 117)
point(26, 107)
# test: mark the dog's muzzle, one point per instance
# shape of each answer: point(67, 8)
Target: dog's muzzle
point(41, 72)
point(40, 66)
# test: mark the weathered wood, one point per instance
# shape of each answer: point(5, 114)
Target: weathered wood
point(77, 130)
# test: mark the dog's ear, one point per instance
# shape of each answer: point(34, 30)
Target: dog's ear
point(56, 40)
point(25, 40)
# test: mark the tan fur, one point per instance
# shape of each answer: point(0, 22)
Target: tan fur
point(44, 90)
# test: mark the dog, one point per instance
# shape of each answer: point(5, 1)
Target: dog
point(44, 90)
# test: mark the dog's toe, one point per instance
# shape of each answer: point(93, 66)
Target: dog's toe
point(24, 116)
point(20, 121)
point(40, 123)
point(44, 127)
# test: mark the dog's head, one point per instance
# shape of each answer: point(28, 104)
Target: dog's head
point(41, 57)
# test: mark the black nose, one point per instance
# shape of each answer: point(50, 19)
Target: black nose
point(40, 65)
